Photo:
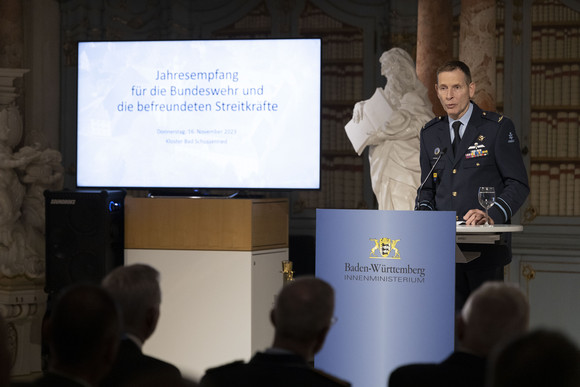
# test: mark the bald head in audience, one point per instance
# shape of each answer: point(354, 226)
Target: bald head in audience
point(493, 313)
point(539, 358)
point(302, 316)
point(496, 311)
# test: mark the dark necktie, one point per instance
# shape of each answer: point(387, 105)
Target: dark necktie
point(456, 125)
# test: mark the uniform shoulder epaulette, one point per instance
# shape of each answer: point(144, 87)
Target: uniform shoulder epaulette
point(432, 122)
point(492, 116)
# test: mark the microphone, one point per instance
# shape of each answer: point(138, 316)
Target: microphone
point(443, 151)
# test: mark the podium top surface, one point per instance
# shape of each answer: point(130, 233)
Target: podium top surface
point(494, 229)
point(206, 224)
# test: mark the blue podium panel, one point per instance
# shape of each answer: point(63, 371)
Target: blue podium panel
point(394, 277)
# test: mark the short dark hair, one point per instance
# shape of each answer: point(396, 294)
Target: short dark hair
point(454, 65)
point(83, 318)
point(304, 308)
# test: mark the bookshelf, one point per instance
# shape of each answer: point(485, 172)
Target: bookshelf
point(554, 109)
point(343, 183)
point(543, 98)
point(342, 86)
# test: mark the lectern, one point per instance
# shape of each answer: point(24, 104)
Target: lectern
point(394, 277)
point(220, 262)
point(480, 234)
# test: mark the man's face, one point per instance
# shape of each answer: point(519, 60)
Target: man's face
point(454, 92)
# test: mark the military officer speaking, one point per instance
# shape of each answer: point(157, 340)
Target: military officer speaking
point(467, 149)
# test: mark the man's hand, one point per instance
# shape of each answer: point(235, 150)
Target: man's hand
point(476, 217)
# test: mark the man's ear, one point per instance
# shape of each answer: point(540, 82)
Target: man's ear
point(320, 339)
point(471, 90)
point(151, 319)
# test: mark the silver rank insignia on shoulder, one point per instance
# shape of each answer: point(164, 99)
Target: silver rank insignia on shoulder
point(511, 138)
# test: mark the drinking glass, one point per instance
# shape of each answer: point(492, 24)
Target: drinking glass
point(486, 197)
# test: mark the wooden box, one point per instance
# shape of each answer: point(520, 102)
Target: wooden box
point(206, 224)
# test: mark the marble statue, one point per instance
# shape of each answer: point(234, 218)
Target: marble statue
point(394, 145)
point(24, 175)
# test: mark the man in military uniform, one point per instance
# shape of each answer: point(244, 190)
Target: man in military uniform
point(472, 149)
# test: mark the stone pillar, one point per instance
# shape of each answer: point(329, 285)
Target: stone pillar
point(11, 33)
point(477, 48)
point(22, 299)
point(434, 43)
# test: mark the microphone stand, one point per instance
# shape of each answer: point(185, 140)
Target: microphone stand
point(427, 177)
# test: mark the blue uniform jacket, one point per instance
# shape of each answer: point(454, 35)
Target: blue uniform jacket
point(488, 155)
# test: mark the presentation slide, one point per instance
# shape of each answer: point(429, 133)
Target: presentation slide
point(200, 114)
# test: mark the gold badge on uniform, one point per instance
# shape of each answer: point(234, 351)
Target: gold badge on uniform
point(480, 138)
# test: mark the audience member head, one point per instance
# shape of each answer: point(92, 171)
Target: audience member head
point(303, 315)
point(536, 359)
point(137, 291)
point(84, 330)
point(493, 313)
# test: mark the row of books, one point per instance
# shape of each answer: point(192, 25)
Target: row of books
point(259, 18)
point(550, 43)
point(342, 83)
point(334, 137)
point(311, 19)
point(553, 10)
point(555, 189)
point(341, 185)
point(557, 85)
point(340, 47)
point(555, 135)
point(314, 18)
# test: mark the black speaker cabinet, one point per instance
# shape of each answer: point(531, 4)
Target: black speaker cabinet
point(84, 236)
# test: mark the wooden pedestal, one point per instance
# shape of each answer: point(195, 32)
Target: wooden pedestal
point(220, 262)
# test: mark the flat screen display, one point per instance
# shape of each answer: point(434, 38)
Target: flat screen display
point(236, 114)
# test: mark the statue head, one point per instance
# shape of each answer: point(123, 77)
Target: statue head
point(399, 69)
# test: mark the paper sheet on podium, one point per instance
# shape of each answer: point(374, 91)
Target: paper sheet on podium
point(376, 112)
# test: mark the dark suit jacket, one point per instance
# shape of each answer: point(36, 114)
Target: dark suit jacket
point(135, 369)
point(50, 380)
point(460, 369)
point(489, 155)
point(269, 370)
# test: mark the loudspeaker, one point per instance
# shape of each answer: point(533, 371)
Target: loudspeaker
point(84, 236)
